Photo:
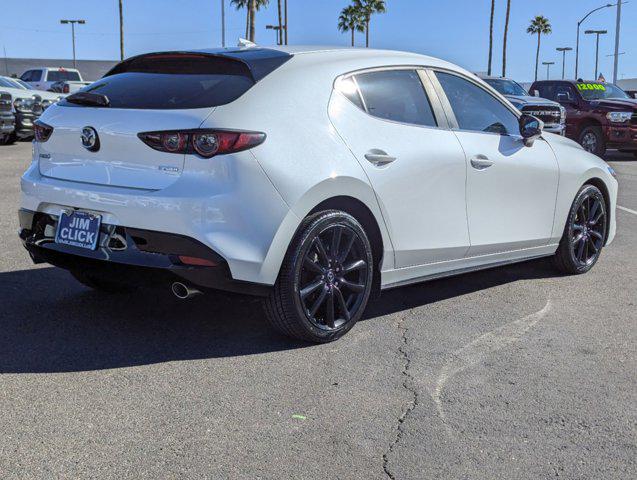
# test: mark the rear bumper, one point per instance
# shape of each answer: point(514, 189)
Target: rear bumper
point(132, 256)
point(227, 204)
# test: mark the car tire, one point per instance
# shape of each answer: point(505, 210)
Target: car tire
point(95, 282)
point(9, 139)
point(325, 279)
point(592, 140)
point(584, 234)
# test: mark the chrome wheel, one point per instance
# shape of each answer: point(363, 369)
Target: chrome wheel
point(588, 230)
point(333, 277)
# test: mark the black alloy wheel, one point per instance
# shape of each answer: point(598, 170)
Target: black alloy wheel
point(332, 277)
point(325, 281)
point(585, 232)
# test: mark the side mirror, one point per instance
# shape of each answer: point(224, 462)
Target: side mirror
point(530, 129)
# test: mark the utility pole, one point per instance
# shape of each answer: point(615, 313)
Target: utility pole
point(564, 50)
point(121, 31)
point(6, 61)
point(223, 23)
point(619, 21)
point(286, 20)
point(73, 22)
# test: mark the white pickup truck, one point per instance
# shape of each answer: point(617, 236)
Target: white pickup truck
point(43, 78)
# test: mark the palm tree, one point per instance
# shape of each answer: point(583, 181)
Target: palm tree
point(539, 26)
point(252, 7)
point(351, 20)
point(491, 36)
point(367, 9)
point(506, 36)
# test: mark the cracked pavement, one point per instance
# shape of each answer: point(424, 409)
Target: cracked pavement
point(535, 376)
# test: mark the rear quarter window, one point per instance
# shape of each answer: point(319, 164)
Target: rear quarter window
point(396, 95)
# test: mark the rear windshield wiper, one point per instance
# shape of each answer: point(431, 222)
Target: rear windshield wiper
point(88, 98)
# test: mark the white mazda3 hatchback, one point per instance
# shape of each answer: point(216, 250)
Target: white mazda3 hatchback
point(313, 178)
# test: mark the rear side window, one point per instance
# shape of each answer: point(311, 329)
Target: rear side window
point(396, 95)
point(180, 80)
point(62, 76)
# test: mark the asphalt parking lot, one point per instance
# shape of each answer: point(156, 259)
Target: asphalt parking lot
point(510, 373)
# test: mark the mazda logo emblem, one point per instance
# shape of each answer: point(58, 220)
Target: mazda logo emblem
point(90, 140)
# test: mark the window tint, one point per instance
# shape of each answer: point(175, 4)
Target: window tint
point(173, 82)
point(62, 76)
point(546, 90)
point(396, 95)
point(564, 93)
point(475, 109)
point(28, 76)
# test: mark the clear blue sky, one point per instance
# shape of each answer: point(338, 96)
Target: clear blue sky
point(456, 30)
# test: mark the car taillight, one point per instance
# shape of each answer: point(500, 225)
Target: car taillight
point(205, 143)
point(42, 131)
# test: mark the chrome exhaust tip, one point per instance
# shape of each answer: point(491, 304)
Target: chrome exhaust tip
point(183, 292)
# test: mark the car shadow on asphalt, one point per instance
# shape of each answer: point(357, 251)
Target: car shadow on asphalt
point(50, 323)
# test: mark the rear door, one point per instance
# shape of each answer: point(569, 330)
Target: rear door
point(394, 125)
point(511, 188)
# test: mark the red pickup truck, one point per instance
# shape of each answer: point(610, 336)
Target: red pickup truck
point(598, 115)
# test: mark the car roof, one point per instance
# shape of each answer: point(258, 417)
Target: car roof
point(335, 54)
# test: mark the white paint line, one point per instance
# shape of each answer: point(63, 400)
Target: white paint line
point(627, 210)
point(476, 351)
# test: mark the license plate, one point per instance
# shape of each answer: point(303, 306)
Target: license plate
point(79, 229)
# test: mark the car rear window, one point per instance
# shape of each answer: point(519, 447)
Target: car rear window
point(174, 81)
point(62, 76)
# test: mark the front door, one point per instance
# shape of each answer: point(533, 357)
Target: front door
point(511, 188)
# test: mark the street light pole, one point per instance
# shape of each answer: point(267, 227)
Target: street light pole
point(223, 23)
point(597, 33)
point(285, 15)
point(619, 21)
point(564, 50)
point(121, 30)
point(579, 24)
point(548, 69)
point(73, 22)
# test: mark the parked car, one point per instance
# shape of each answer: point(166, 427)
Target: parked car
point(27, 105)
point(598, 115)
point(7, 118)
point(67, 87)
point(631, 93)
point(551, 113)
point(43, 78)
point(310, 177)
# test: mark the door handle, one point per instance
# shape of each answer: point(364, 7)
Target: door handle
point(481, 162)
point(379, 157)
